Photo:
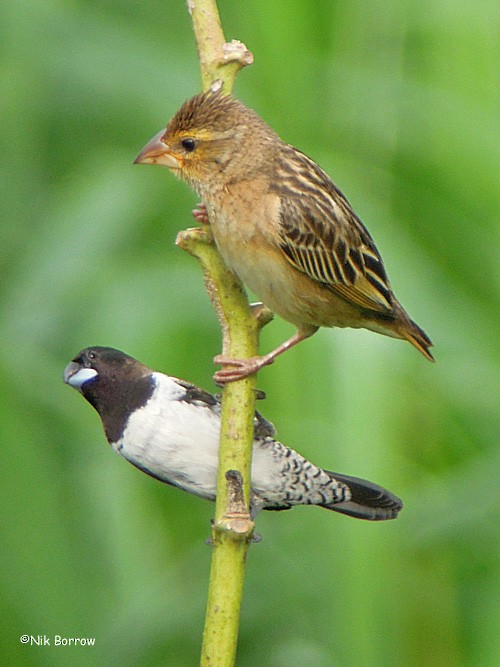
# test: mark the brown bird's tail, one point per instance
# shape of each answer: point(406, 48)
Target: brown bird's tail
point(368, 500)
point(418, 338)
point(406, 328)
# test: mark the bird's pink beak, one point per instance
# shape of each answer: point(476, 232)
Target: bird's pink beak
point(158, 152)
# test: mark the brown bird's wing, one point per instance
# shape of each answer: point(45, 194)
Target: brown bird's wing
point(323, 237)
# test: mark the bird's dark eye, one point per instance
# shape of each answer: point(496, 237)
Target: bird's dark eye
point(188, 144)
point(92, 355)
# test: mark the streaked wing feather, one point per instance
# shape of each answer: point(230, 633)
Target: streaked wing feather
point(322, 236)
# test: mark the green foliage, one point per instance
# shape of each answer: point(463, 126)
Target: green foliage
point(398, 102)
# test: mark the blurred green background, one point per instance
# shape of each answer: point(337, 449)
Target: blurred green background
point(398, 101)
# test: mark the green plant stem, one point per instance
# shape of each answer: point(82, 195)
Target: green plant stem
point(232, 528)
point(240, 339)
point(218, 59)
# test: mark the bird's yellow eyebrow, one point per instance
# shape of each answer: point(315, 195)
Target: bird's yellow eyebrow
point(202, 134)
point(195, 133)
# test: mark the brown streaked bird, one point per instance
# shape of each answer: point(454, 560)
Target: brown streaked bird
point(281, 225)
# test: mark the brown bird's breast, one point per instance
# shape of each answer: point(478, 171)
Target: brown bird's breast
point(246, 230)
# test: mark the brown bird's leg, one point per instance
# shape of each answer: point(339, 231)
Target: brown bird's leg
point(245, 367)
point(200, 214)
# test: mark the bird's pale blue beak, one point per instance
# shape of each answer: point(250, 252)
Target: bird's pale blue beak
point(75, 375)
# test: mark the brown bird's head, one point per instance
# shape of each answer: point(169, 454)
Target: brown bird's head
point(211, 140)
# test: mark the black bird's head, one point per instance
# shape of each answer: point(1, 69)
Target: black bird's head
point(114, 383)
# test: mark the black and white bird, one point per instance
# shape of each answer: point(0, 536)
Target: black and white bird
point(169, 429)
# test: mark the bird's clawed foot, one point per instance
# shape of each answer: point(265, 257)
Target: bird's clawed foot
point(240, 368)
point(200, 214)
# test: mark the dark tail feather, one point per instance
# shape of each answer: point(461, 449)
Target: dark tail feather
point(419, 339)
point(405, 327)
point(368, 501)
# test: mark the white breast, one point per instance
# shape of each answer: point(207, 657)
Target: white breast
point(178, 442)
point(175, 440)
